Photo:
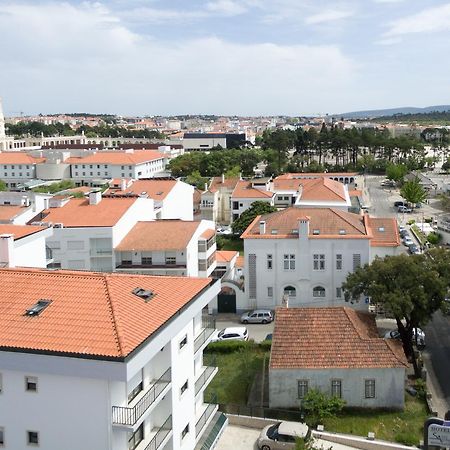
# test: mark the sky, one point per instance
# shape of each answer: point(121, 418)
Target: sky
point(231, 57)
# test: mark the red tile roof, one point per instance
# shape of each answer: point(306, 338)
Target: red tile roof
point(9, 212)
point(319, 189)
point(292, 175)
point(91, 314)
point(20, 231)
point(117, 157)
point(229, 183)
point(316, 338)
point(18, 158)
point(384, 231)
point(154, 188)
point(223, 256)
point(244, 189)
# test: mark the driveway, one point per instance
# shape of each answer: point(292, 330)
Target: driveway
point(256, 331)
point(238, 438)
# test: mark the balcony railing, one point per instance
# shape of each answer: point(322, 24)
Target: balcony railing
point(123, 415)
point(205, 376)
point(101, 252)
point(204, 418)
point(48, 253)
point(208, 325)
point(160, 435)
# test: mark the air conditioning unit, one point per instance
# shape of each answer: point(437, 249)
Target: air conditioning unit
point(58, 225)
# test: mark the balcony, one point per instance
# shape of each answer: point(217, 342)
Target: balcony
point(101, 252)
point(160, 436)
point(205, 418)
point(151, 266)
point(48, 255)
point(208, 328)
point(205, 377)
point(124, 415)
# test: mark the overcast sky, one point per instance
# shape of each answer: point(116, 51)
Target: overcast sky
point(247, 57)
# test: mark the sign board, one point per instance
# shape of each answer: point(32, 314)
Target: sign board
point(439, 435)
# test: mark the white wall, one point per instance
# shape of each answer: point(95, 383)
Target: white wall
point(179, 203)
point(30, 250)
point(389, 386)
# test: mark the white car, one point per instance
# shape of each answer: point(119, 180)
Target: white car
point(282, 435)
point(230, 334)
point(394, 334)
point(407, 241)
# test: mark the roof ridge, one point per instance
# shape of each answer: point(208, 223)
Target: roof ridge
point(113, 317)
point(343, 214)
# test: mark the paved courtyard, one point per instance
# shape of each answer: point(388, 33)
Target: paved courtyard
point(256, 331)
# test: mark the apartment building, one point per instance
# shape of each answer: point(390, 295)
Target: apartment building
point(207, 141)
point(169, 247)
point(244, 194)
point(302, 256)
point(17, 167)
point(85, 231)
point(20, 207)
point(104, 361)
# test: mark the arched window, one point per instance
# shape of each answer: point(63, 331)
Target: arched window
point(290, 291)
point(319, 291)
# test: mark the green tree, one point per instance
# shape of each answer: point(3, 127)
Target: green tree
point(411, 289)
point(446, 166)
point(3, 186)
point(413, 192)
point(319, 406)
point(196, 180)
point(246, 218)
point(396, 172)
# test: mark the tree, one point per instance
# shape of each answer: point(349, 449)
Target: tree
point(396, 172)
point(196, 180)
point(3, 186)
point(246, 218)
point(411, 289)
point(413, 192)
point(319, 406)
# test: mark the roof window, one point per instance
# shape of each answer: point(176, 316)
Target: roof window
point(38, 307)
point(316, 231)
point(295, 231)
point(274, 231)
point(342, 231)
point(143, 293)
point(381, 229)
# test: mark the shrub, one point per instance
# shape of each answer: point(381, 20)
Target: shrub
point(421, 388)
point(405, 438)
point(265, 346)
point(411, 221)
point(319, 406)
point(434, 238)
point(229, 346)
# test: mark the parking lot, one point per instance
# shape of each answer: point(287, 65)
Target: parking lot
point(256, 331)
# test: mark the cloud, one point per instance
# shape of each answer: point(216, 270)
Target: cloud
point(78, 58)
point(226, 7)
point(389, 1)
point(427, 21)
point(328, 16)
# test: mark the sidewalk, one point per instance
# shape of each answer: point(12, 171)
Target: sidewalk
point(438, 403)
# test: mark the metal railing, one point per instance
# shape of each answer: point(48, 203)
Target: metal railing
point(264, 413)
point(208, 325)
point(101, 252)
point(124, 415)
point(160, 435)
point(201, 422)
point(48, 253)
point(204, 377)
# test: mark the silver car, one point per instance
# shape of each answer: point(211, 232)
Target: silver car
point(257, 316)
point(282, 435)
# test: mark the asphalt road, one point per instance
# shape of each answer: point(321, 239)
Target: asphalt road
point(437, 353)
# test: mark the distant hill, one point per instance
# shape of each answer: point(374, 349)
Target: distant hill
point(372, 114)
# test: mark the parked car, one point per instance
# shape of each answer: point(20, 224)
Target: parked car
point(399, 203)
point(230, 334)
point(394, 334)
point(407, 241)
point(282, 435)
point(268, 337)
point(388, 183)
point(404, 209)
point(257, 316)
point(404, 233)
point(413, 249)
point(401, 229)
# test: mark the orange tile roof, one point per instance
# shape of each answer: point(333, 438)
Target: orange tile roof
point(244, 189)
point(117, 157)
point(208, 234)
point(337, 337)
point(159, 235)
point(9, 212)
point(329, 221)
point(224, 256)
point(216, 184)
point(20, 231)
point(355, 193)
point(18, 158)
point(292, 175)
point(384, 231)
point(155, 188)
point(240, 261)
point(77, 212)
point(320, 189)
point(91, 314)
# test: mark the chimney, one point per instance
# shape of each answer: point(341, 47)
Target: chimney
point(223, 178)
point(123, 184)
point(303, 227)
point(7, 249)
point(95, 197)
point(240, 176)
point(206, 186)
point(262, 227)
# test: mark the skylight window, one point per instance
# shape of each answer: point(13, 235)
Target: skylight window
point(38, 307)
point(316, 231)
point(143, 293)
point(342, 232)
point(381, 229)
point(274, 231)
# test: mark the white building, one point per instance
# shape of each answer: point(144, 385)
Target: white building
point(244, 194)
point(24, 246)
point(169, 247)
point(20, 207)
point(17, 167)
point(305, 254)
point(337, 351)
point(104, 361)
point(87, 230)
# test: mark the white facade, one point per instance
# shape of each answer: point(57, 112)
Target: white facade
point(241, 204)
point(32, 204)
point(83, 403)
point(178, 203)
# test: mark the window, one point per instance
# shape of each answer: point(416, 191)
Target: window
point(338, 262)
point(185, 431)
point(356, 261)
point(336, 388)
point(290, 291)
point(289, 262)
point(319, 291)
point(171, 260)
point(369, 388)
point(338, 292)
point(136, 437)
point(32, 438)
point(235, 205)
point(31, 384)
point(183, 342)
point(184, 387)
point(269, 262)
point(270, 291)
point(133, 394)
point(319, 262)
point(90, 166)
point(146, 260)
point(302, 388)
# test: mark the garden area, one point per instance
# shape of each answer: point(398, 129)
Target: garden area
point(230, 243)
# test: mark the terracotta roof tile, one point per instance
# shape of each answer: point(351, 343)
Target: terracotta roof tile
point(9, 212)
point(244, 189)
point(216, 183)
point(384, 231)
point(292, 175)
point(18, 158)
point(240, 261)
point(321, 189)
point(20, 231)
point(314, 338)
point(91, 314)
point(159, 235)
point(224, 256)
point(154, 188)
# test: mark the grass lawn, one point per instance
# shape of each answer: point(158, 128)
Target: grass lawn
point(404, 426)
point(230, 243)
point(236, 372)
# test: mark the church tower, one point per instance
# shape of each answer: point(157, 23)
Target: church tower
point(2, 128)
